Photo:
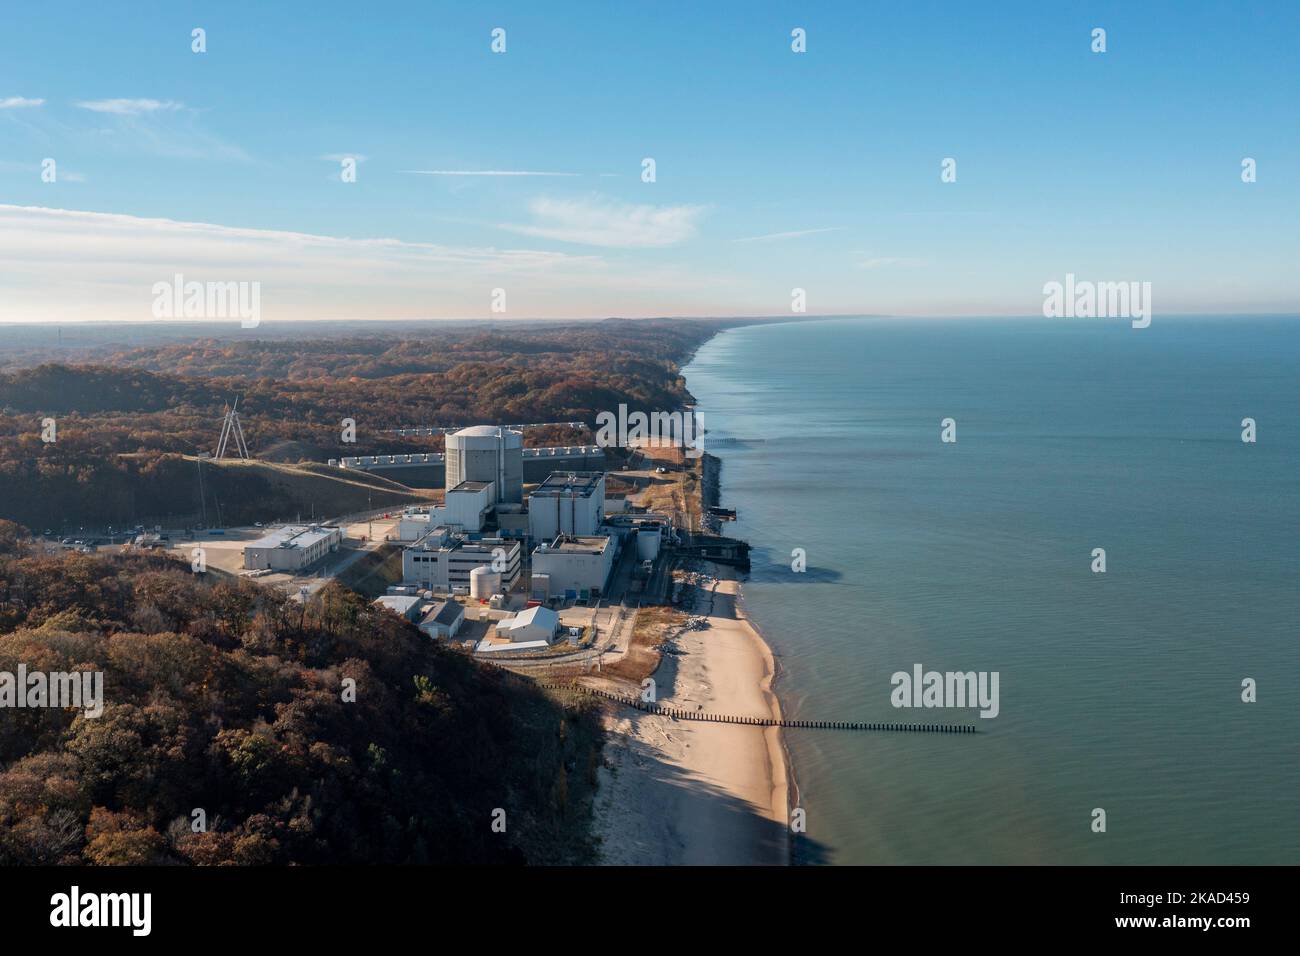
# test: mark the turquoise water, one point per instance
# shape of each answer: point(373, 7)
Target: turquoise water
point(1120, 690)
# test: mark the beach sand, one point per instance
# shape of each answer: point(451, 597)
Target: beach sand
point(687, 792)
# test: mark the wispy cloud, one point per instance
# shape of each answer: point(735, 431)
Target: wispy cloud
point(19, 102)
point(128, 107)
point(596, 221)
point(158, 127)
point(482, 172)
point(72, 265)
point(882, 262)
point(789, 235)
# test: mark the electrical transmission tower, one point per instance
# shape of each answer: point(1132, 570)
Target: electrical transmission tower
point(230, 426)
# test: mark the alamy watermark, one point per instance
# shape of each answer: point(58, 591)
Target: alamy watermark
point(654, 430)
point(1084, 299)
point(81, 689)
point(179, 299)
point(923, 688)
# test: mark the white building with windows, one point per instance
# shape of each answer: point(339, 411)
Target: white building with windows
point(442, 561)
point(291, 548)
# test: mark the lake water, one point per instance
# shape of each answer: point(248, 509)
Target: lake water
point(1119, 690)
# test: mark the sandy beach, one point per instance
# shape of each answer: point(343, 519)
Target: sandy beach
point(678, 792)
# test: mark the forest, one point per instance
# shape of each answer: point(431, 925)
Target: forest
point(241, 727)
point(118, 412)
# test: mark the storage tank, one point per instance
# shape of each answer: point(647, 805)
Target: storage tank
point(647, 544)
point(487, 453)
point(484, 582)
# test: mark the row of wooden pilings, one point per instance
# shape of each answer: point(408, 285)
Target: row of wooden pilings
point(679, 714)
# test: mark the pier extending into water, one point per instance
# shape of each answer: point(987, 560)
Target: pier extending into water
point(677, 713)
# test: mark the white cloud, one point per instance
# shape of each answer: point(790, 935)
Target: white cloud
point(19, 102)
point(128, 107)
point(789, 235)
point(882, 262)
point(481, 172)
point(596, 221)
point(69, 265)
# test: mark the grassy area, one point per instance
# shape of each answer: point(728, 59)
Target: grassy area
point(250, 491)
point(653, 625)
point(372, 573)
point(677, 491)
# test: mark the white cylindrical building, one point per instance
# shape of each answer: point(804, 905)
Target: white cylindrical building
point(487, 453)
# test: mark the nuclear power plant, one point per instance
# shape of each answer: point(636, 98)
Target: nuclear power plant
point(488, 453)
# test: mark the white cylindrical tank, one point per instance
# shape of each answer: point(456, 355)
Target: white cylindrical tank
point(484, 582)
point(647, 544)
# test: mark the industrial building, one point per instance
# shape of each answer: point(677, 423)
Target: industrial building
point(442, 561)
point(468, 505)
point(291, 548)
point(409, 606)
point(567, 502)
point(443, 619)
point(487, 453)
point(536, 624)
point(573, 567)
point(414, 523)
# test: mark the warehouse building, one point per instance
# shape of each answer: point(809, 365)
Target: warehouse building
point(442, 561)
point(536, 624)
point(487, 453)
point(574, 566)
point(291, 548)
point(443, 619)
point(567, 502)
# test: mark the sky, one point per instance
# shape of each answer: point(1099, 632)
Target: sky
point(522, 170)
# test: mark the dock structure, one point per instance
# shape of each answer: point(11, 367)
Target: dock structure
point(716, 548)
point(677, 713)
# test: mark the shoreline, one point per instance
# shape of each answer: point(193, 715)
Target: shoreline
point(673, 793)
point(792, 795)
point(687, 793)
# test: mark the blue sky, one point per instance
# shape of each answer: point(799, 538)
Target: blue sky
point(775, 170)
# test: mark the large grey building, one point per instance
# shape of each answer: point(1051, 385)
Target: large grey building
point(567, 502)
point(487, 453)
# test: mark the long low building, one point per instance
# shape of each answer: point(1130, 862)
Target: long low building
point(573, 565)
point(291, 548)
point(442, 561)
